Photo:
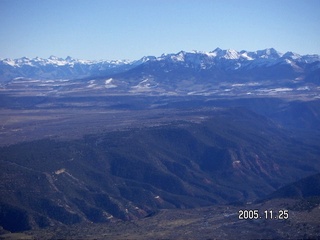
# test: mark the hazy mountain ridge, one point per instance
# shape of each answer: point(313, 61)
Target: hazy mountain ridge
point(227, 60)
point(58, 68)
point(217, 73)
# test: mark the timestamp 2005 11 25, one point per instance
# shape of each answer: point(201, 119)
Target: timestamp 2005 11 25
point(267, 214)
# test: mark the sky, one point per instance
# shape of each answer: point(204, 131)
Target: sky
point(131, 29)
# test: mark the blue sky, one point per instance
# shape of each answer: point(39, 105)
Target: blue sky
point(131, 29)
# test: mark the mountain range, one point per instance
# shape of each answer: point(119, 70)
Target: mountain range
point(219, 72)
point(226, 60)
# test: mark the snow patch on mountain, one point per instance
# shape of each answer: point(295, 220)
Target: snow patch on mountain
point(109, 83)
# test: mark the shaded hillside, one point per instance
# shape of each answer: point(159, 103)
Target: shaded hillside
point(304, 188)
point(214, 222)
point(305, 191)
point(233, 155)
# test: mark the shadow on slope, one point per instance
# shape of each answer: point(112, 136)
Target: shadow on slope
point(235, 155)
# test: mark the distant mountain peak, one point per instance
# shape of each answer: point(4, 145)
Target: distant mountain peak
point(52, 57)
point(269, 53)
point(69, 59)
point(217, 50)
point(218, 59)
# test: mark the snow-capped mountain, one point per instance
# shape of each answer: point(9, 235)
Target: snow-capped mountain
point(240, 59)
point(227, 60)
point(59, 68)
point(176, 73)
point(188, 70)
